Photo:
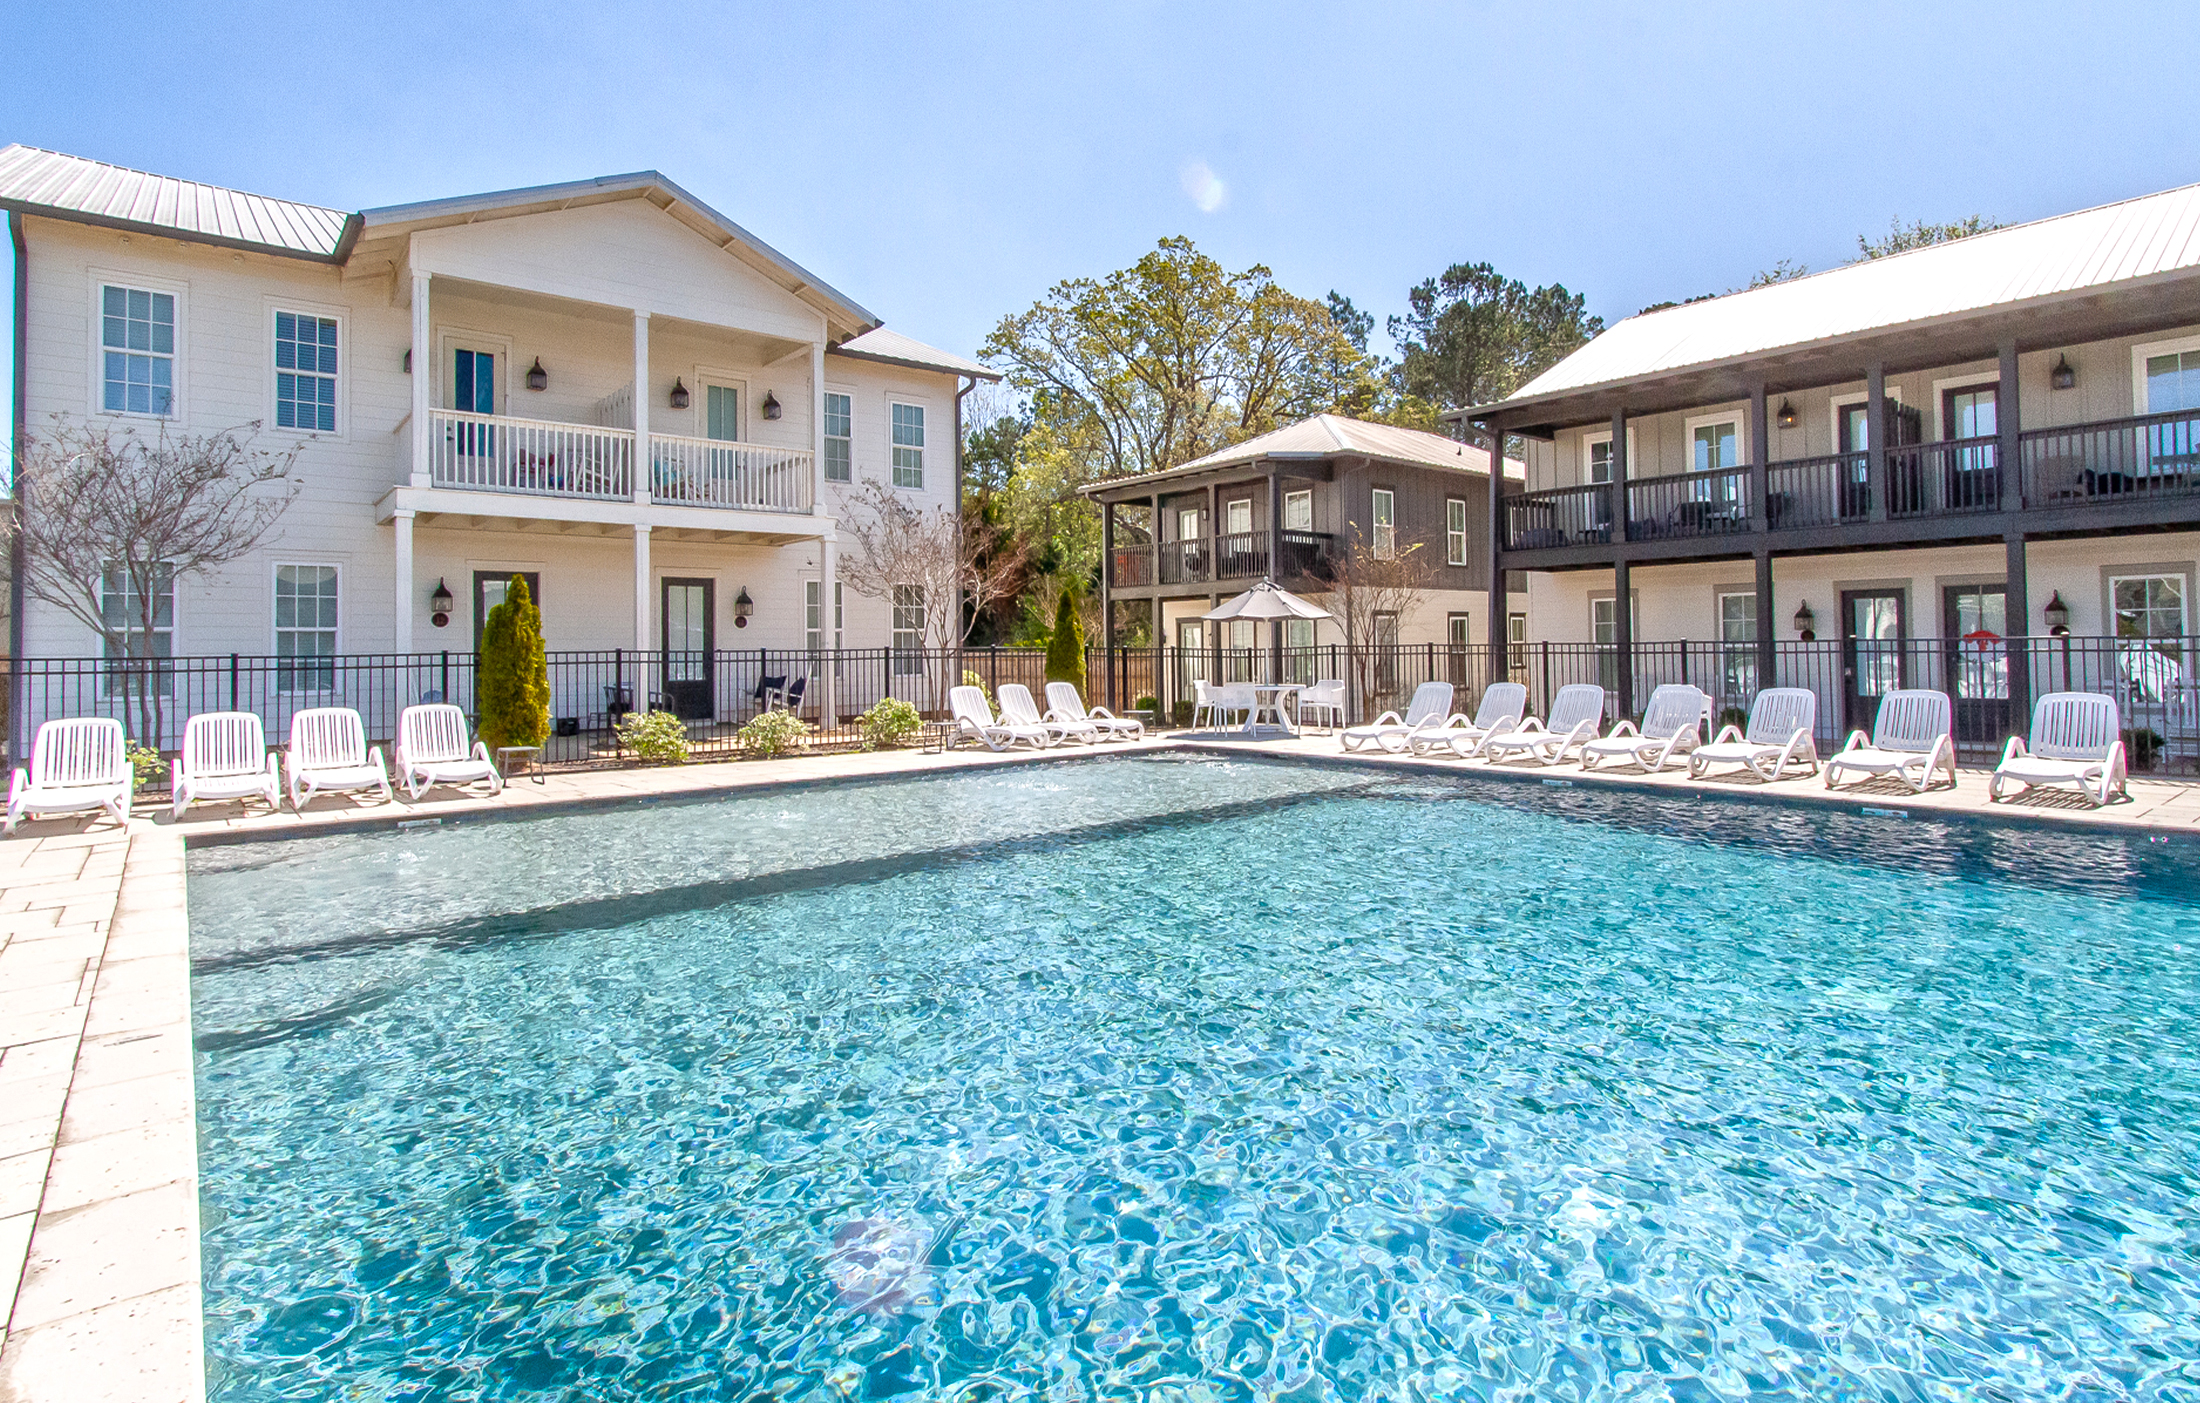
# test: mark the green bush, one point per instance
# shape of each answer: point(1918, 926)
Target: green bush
point(2142, 747)
point(1182, 714)
point(1066, 648)
point(890, 722)
point(145, 764)
point(656, 736)
point(972, 679)
point(774, 733)
point(514, 685)
point(1149, 703)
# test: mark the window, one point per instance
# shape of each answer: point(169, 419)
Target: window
point(1516, 628)
point(474, 381)
point(840, 433)
point(908, 445)
point(305, 628)
point(812, 611)
point(1386, 524)
point(122, 608)
point(1299, 657)
point(2172, 381)
point(1386, 654)
point(1455, 530)
point(1240, 515)
point(1738, 640)
point(2149, 606)
point(305, 372)
point(1600, 459)
point(137, 341)
point(490, 587)
point(722, 413)
point(908, 624)
point(1713, 446)
point(1458, 631)
point(1187, 523)
point(1604, 631)
point(1298, 511)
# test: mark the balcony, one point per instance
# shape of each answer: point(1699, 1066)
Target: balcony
point(1304, 556)
point(497, 453)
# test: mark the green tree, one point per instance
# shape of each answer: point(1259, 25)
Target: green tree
point(1066, 648)
point(513, 687)
point(1901, 238)
point(1472, 335)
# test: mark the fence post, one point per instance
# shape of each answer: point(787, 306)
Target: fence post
point(1684, 660)
point(232, 681)
point(1546, 671)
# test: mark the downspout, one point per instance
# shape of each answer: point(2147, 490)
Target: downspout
point(17, 684)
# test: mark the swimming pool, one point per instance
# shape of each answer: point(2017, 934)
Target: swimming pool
point(1190, 1078)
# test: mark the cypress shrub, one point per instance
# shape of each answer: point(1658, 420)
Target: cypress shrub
point(1066, 649)
point(513, 687)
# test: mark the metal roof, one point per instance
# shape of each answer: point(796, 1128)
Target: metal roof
point(1335, 436)
point(893, 348)
point(35, 181)
point(2130, 241)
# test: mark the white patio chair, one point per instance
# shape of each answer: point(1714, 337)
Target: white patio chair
point(1430, 707)
point(1018, 709)
point(1912, 739)
point(433, 748)
point(76, 765)
point(1217, 701)
point(974, 719)
point(1502, 706)
point(1782, 731)
point(2077, 739)
point(1063, 704)
point(1326, 696)
point(328, 751)
point(1672, 725)
point(225, 756)
point(1577, 714)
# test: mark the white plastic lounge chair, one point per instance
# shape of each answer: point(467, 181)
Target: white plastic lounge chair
point(1912, 739)
point(225, 756)
point(1502, 706)
point(1430, 707)
point(974, 719)
point(1018, 709)
point(1672, 725)
point(1327, 697)
point(1577, 714)
point(433, 748)
point(1781, 732)
point(76, 765)
point(2076, 740)
point(1063, 704)
point(328, 751)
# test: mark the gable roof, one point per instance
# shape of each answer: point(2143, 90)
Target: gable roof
point(1335, 436)
point(36, 181)
point(892, 348)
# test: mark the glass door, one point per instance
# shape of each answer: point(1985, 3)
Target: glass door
point(1191, 655)
point(1854, 440)
point(1873, 631)
point(1971, 414)
point(689, 636)
point(1977, 661)
point(474, 391)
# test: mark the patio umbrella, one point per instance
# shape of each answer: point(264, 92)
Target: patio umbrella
point(1268, 602)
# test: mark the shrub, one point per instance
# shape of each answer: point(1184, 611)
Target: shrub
point(972, 679)
point(514, 685)
point(1182, 714)
point(889, 722)
point(1149, 703)
point(2142, 747)
point(774, 733)
point(656, 736)
point(145, 764)
point(1066, 648)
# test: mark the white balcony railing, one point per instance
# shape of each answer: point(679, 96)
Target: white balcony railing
point(706, 472)
point(496, 453)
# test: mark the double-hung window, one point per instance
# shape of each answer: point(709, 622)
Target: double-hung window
point(2149, 607)
point(840, 435)
point(1455, 530)
point(140, 619)
point(813, 614)
point(137, 351)
point(1738, 646)
point(908, 624)
point(909, 445)
point(305, 628)
point(1298, 511)
point(1385, 512)
point(305, 372)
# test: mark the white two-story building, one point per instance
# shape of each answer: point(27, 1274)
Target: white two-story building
point(605, 386)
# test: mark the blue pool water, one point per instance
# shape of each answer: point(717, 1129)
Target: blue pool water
point(1168, 1078)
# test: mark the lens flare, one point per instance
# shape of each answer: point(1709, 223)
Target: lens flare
point(1204, 186)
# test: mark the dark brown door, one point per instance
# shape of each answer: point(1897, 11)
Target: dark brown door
point(1855, 442)
point(1969, 415)
point(1975, 625)
point(690, 630)
point(1874, 638)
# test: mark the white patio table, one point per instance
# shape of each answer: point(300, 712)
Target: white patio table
point(1269, 697)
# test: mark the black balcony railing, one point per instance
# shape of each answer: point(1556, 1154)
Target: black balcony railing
point(1243, 555)
point(2152, 456)
point(1132, 566)
point(1688, 504)
point(1186, 562)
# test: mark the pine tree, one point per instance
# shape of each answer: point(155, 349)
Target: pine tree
point(1066, 649)
point(513, 688)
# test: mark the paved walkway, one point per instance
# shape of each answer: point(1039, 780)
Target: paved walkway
point(99, 1233)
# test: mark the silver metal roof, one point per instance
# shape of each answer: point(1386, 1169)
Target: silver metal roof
point(1335, 436)
point(893, 348)
point(35, 181)
point(2129, 241)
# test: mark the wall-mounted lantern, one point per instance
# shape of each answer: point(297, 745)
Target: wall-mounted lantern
point(408, 360)
point(1806, 623)
point(2057, 615)
point(743, 606)
point(537, 377)
point(679, 394)
point(439, 605)
point(1786, 415)
point(2064, 375)
point(771, 405)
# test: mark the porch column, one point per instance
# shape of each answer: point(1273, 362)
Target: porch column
point(2008, 426)
point(1760, 454)
point(642, 459)
point(2017, 602)
point(828, 562)
point(1620, 468)
point(1768, 655)
point(401, 633)
point(641, 590)
point(1107, 602)
point(423, 381)
point(1500, 604)
point(1623, 636)
point(1875, 413)
point(2018, 606)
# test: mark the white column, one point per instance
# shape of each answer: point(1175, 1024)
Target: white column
point(423, 380)
point(402, 635)
point(641, 425)
point(828, 569)
point(641, 589)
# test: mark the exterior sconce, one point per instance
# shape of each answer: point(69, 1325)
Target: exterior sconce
point(2057, 615)
point(771, 405)
point(679, 394)
point(537, 377)
point(439, 605)
point(2064, 375)
point(743, 606)
point(408, 360)
point(1806, 623)
point(1786, 417)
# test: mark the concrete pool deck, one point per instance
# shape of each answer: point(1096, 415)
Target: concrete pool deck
point(99, 1230)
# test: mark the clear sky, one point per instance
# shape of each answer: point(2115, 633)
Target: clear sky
point(944, 164)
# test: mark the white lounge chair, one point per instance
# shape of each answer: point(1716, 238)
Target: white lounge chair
point(1577, 714)
point(1672, 725)
point(225, 756)
point(1503, 704)
point(76, 765)
point(1430, 707)
point(433, 748)
point(1018, 709)
point(1063, 704)
point(1326, 696)
point(1912, 739)
point(328, 751)
point(974, 719)
point(1783, 722)
point(2077, 739)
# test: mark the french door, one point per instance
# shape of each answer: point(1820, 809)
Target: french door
point(1976, 626)
point(690, 634)
point(1874, 630)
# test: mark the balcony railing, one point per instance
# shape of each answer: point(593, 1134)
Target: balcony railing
point(704, 472)
point(1241, 555)
point(1688, 504)
point(2149, 456)
point(1564, 516)
point(1186, 562)
point(542, 458)
point(1132, 567)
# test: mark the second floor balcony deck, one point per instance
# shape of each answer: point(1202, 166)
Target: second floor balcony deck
point(587, 462)
point(1304, 557)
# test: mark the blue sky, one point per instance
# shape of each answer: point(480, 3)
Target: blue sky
point(945, 164)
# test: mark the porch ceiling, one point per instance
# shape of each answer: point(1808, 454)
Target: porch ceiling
point(754, 347)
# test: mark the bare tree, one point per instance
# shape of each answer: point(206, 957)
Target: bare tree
point(109, 521)
point(916, 558)
point(1370, 581)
